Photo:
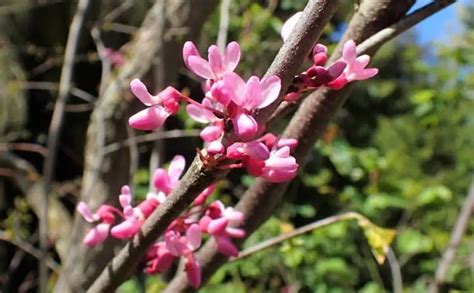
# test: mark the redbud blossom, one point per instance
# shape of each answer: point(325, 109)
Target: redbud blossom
point(355, 69)
point(105, 218)
point(160, 107)
point(218, 63)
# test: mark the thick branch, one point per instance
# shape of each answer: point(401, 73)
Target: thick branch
point(456, 237)
point(378, 39)
point(105, 172)
point(307, 125)
point(54, 133)
point(292, 54)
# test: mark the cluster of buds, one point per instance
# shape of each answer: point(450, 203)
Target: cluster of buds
point(348, 68)
point(182, 236)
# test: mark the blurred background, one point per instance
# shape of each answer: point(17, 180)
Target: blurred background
point(401, 151)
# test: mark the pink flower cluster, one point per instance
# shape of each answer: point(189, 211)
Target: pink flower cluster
point(183, 235)
point(348, 68)
point(234, 138)
point(229, 103)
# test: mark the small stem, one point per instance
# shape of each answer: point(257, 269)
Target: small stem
point(297, 232)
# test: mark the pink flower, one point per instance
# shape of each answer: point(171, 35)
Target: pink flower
point(289, 25)
point(247, 97)
point(202, 197)
point(220, 222)
point(105, 218)
point(134, 217)
point(179, 245)
point(255, 150)
point(159, 259)
point(355, 69)
point(272, 141)
point(116, 58)
point(166, 181)
point(160, 107)
point(280, 167)
point(217, 65)
point(203, 114)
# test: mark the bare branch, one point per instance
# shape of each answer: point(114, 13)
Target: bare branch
point(30, 249)
point(54, 133)
point(397, 281)
point(150, 137)
point(456, 237)
point(295, 49)
point(22, 146)
point(297, 232)
point(223, 25)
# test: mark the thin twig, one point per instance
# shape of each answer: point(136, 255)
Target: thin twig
point(376, 40)
point(54, 86)
point(30, 249)
point(54, 133)
point(23, 146)
point(397, 281)
point(113, 147)
point(401, 26)
point(297, 232)
point(223, 25)
point(456, 236)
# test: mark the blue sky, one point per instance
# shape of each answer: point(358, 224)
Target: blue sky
point(440, 26)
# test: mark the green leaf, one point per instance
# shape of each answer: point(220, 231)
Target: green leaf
point(379, 238)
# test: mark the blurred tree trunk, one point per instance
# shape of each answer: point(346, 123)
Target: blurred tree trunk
point(166, 26)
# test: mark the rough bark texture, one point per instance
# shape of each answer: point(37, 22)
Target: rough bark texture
point(307, 126)
point(104, 175)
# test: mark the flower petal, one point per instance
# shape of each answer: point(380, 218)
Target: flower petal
point(193, 235)
point(125, 198)
point(83, 209)
point(245, 126)
point(289, 25)
point(252, 96)
point(127, 229)
point(231, 56)
point(189, 49)
point(349, 51)
point(176, 168)
point(270, 87)
point(97, 235)
point(193, 271)
point(162, 181)
point(149, 119)
point(211, 133)
point(139, 89)
point(225, 246)
point(199, 114)
point(200, 67)
point(215, 61)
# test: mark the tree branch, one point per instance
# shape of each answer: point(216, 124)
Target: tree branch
point(456, 237)
point(197, 176)
point(307, 125)
point(297, 232)
point(378, 39)
point(54, 134)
